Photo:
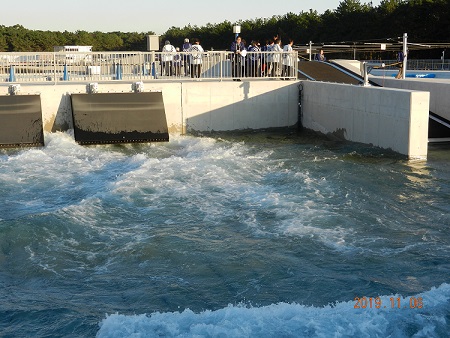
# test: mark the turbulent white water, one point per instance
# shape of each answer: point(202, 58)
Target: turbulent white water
point(293, 320)
point(267, 235)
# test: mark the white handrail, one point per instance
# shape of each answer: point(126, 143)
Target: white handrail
point(139, 66)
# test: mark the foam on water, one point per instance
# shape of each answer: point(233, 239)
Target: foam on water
point(294, 320)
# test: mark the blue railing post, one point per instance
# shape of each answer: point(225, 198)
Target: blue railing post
point(154, 71)
point(144, 70)
point(118, 71)
point(12, 76)
point(65, 74)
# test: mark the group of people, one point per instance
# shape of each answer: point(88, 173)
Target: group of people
point(250, 61)
point(258, 63)
point(172, 62)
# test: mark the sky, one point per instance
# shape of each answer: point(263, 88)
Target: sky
point(147, 15)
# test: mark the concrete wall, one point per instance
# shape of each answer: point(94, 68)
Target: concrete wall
point(439, 91)
point(190, 106)
point(388, 118)
point(352, 65)
point(222, 106)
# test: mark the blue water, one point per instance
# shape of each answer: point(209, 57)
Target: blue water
point(262, 235)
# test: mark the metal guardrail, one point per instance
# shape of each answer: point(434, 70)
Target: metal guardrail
point(139, 66)
point(420, 64)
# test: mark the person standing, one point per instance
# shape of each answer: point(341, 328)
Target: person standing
point(287, 60)
point(254, 58)
point(320, 56)
point(244, 59)
point(186, 61)
point(276, 56)
point(177, 62)
point(168, 52)
point(264, 65)
point(400, 58)
point(269, 57)
point(237, 49)
point(196, 56)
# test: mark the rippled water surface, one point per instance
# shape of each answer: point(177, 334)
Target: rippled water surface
point(241, 236)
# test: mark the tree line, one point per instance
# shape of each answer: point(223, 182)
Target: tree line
point(19, 39)
point(352, 20)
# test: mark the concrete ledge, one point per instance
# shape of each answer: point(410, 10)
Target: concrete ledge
point(387, 118)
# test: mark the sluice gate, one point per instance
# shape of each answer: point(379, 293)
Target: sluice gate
point(102, 118)
point(21, 121)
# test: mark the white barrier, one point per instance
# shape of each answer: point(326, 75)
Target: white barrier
point(136, 66)
point(387, 118)
point(190, 106)
point(439, 91)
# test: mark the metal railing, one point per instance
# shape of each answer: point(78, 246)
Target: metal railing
point(140, 66)
point(428, 64)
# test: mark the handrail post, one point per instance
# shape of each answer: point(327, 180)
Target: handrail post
point(310, 50)
point(141, 61)
point(405, 55)
point(222, 64)
point(366, 71)
point(54, 67)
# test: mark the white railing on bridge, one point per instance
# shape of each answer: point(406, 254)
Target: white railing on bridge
point(140, 66)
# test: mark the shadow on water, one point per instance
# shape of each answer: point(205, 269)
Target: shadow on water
point(352, 151)
point(281, 136)
point(439, 151)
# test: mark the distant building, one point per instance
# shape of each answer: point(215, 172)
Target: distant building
point(73, 53)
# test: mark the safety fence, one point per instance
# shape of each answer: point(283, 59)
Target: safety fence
point(140, 66)
point(419, 64)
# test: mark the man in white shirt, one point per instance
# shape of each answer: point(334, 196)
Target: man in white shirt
point(196, 56)
point(287, 60)
point(168, 52)
point(276, 55)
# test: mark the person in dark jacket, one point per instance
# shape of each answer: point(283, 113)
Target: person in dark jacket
point(400, 58)
point(237, 58)
point(254, 59)
point(186, 61)
point(320, 56)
